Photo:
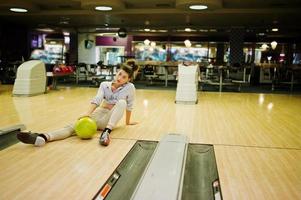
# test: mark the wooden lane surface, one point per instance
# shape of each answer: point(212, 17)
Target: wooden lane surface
point(257, 141)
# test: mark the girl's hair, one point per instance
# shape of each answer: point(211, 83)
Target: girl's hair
point(130, 67)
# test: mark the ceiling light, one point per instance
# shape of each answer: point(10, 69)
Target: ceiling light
point(20, 10)
point(163, 31)
point(198, 7)
point(187, 43)
point(146, 29)
point(67, 39)
point(102, 5)
point(45, 30)
point(153, 44)
point(275, 29)
point(63, 22)
point(103, 8)
point(146, 42)
point(264, 46)
point(187, 29)
point(274, 45)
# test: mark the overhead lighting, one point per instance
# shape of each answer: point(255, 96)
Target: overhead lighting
point(187, 29)
point(63, 22)
point(203, 30)
point(106, 34)
point(103, 8)
point(146, 22)
point(198, 7)
point(20, 10)
point(187, 43)
point(147, 29)
point(146, 42)
point(274, 29)
point(153, 44)
point(264, 46)
point(163, 31)
point(67, 39)
point(274, 45)
point(141, 48)
point(45, 30)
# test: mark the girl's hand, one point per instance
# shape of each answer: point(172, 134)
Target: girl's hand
point(84, 115)
point(132, 123)
point(108, 106)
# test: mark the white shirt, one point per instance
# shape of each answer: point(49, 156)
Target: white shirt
point(126, 92)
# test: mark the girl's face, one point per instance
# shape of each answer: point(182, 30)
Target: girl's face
point(121, 77)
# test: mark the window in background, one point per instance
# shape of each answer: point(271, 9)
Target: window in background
point(148, 52)
point(110, 55)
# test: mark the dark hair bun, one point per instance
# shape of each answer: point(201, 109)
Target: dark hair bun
point(132, 63)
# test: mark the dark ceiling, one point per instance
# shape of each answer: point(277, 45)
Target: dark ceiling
point(161, 16)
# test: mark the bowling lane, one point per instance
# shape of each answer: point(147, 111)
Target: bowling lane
point(67, 169)
point(259, 173)
point(248, 119)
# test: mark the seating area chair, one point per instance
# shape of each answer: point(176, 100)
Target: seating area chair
point(291, 75)
point(81, 72)
point(245, 77)
point(149, 73)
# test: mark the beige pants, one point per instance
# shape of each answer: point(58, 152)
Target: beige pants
point(102, 116)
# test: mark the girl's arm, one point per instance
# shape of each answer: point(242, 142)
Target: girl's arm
point(90, 110)
point(95, 102)
point(128, 118)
